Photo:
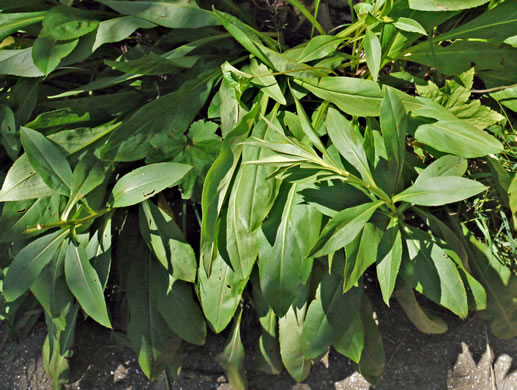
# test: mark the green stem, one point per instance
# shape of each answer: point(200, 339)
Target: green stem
point(73, 222)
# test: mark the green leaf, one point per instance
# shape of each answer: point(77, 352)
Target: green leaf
point(360, 254)
point(424, 321)
point(371, 364)
point(18, 63)
point(29, 262)
point(409, 25)
point(444, 166)
point(47, 160)
point(433, 273)
point(83, 281)
point(389, 258)
point(343, 228)
point(220, 293)
point(147, 181)
point(199, 148)
point(167, 242)
point(256, 193)
point(217, 182)
point(500, 285)
point(232, 358)
point(290, 328)
point(394, 125)
point(89, 173)
point(437, 191)
point(241, 244)
point(267, 83)
point(347, 141)
point(12, 22)
point(98, 252)
point(458, 138)
point(47, 53)
point(507, 97)
point(331, 312)
point(319, 47)
point(22, 182)
point(177, 14)
point(283, 265)
point(353, 96)
point(372, 50)
point(177, 305)
point(66, 23)
point(154, 343)
point(445, 5)
point(512, 194)
point(8, 132)
point(18, 216)
point(351, 342)
point(118, 29)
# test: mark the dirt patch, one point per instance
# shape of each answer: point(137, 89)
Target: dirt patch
point(467, 357)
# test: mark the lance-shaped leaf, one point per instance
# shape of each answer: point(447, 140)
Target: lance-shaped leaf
point(283, 264)
point(409, 25)
point(117, 29)
point(83, 281)
point(331, 312)
point(220, 293)
point(232, 358)
point(512, 195)
point(389, 257)
point(155, 345)
point(351, 342)
point(360, 254)
point(424, 321)
point(18, 63)
point(437, 191)
point(241, 244)
point(306, 125)
point(47, 53)
point(394, 128)
point(444, 5)
point(257, 190)
point(12, 22)
point(177, 14)
point(98, 251)
point(147, 181)
point(88, 174)
point(347, 141)
point(319, 47)
point(218, 181)
point(459, 138)
point(371, 364)
point(343, 228)
point(8, 132)
point(29, 262)
point(372, 50)
point(167, 242)
point(67, 23)
point(433, 273)
point(290, 328)
point(353, 96)
point(47, 160)
point(177, 305)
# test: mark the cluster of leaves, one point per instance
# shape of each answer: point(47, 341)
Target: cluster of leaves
point(311, 164)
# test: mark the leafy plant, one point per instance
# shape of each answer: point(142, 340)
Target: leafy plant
point(304, 159)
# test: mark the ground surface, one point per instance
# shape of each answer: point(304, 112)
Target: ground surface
point(456, 360)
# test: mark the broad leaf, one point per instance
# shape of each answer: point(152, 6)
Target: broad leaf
point(437, 191)
point(47, 53)
point(29, 262)
point(67, 23)
point(351, 342)
point(117, 29)
point(343, 228)
point(18, 63)
point(47, 160)
point(83, 281)
point(147, 181)
point(444, 166)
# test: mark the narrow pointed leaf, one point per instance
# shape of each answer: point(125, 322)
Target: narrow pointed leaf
point(372, 49)
point(389, 258)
